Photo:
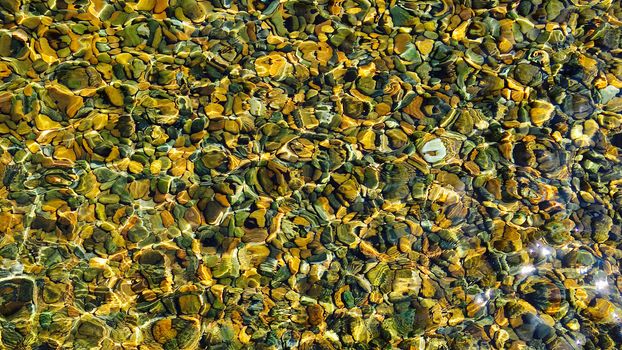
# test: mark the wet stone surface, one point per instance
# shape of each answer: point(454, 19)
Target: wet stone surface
point(295, 174)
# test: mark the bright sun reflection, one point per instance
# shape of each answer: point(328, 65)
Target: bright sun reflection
point(483, 298)
point(527, 269)
point(601, 284)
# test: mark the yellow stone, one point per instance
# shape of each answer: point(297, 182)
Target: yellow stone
point(601, 310)
point(139, 188)
point(428, 289)
point(613, 80)
point(548, 320)
point(167, 218)
point(53, 205)
point(65, 100)
point(122, 164)
point(501, 337)
point(232, 126)
point(114, 154)
point(105, 69)
point(62, 152)
point(47, 53)
point(135, 167)
point(586, 196)
point(179, 167)
point(456, 317)
point(294, 265)
point(573, 325)
point(401, 42)
point(123, 58)
point(600, 82)
point(33, 146)
point(145, 5)
point(505, 45)
point(160, 6)
point(244, 338)
point(214, 110)
point(541, 112)
point(376, 297)
point(308, 119)
point(259, 216)
point(327, 29)
point(353, 10)
point(43, 122)
point(5, 71)
point(459, 33)
point(114, 95)
point(425, 46)
point(275, 40)
point(163, 331)
point(367, 138)
point(100, 121)
point(272, 64)
point(156, 166)
point(590, 127)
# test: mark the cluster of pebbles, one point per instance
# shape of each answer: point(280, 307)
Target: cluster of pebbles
point(297, 174)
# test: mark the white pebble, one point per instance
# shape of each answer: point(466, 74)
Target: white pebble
point(434, 151)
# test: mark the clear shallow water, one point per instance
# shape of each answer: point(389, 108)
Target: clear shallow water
point(310, 175)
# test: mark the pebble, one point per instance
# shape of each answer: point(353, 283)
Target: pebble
point(434, 151)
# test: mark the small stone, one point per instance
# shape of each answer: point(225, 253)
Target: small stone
point(135, 167)
point(541, 112)
point(145, 5)
point(163, 331)
point(315, 313)
point(425, 46)
point(43, 122)
point(189, 304)
point(114, 96)
point(434, 151)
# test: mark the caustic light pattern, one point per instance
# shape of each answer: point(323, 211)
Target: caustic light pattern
point(310, 174)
